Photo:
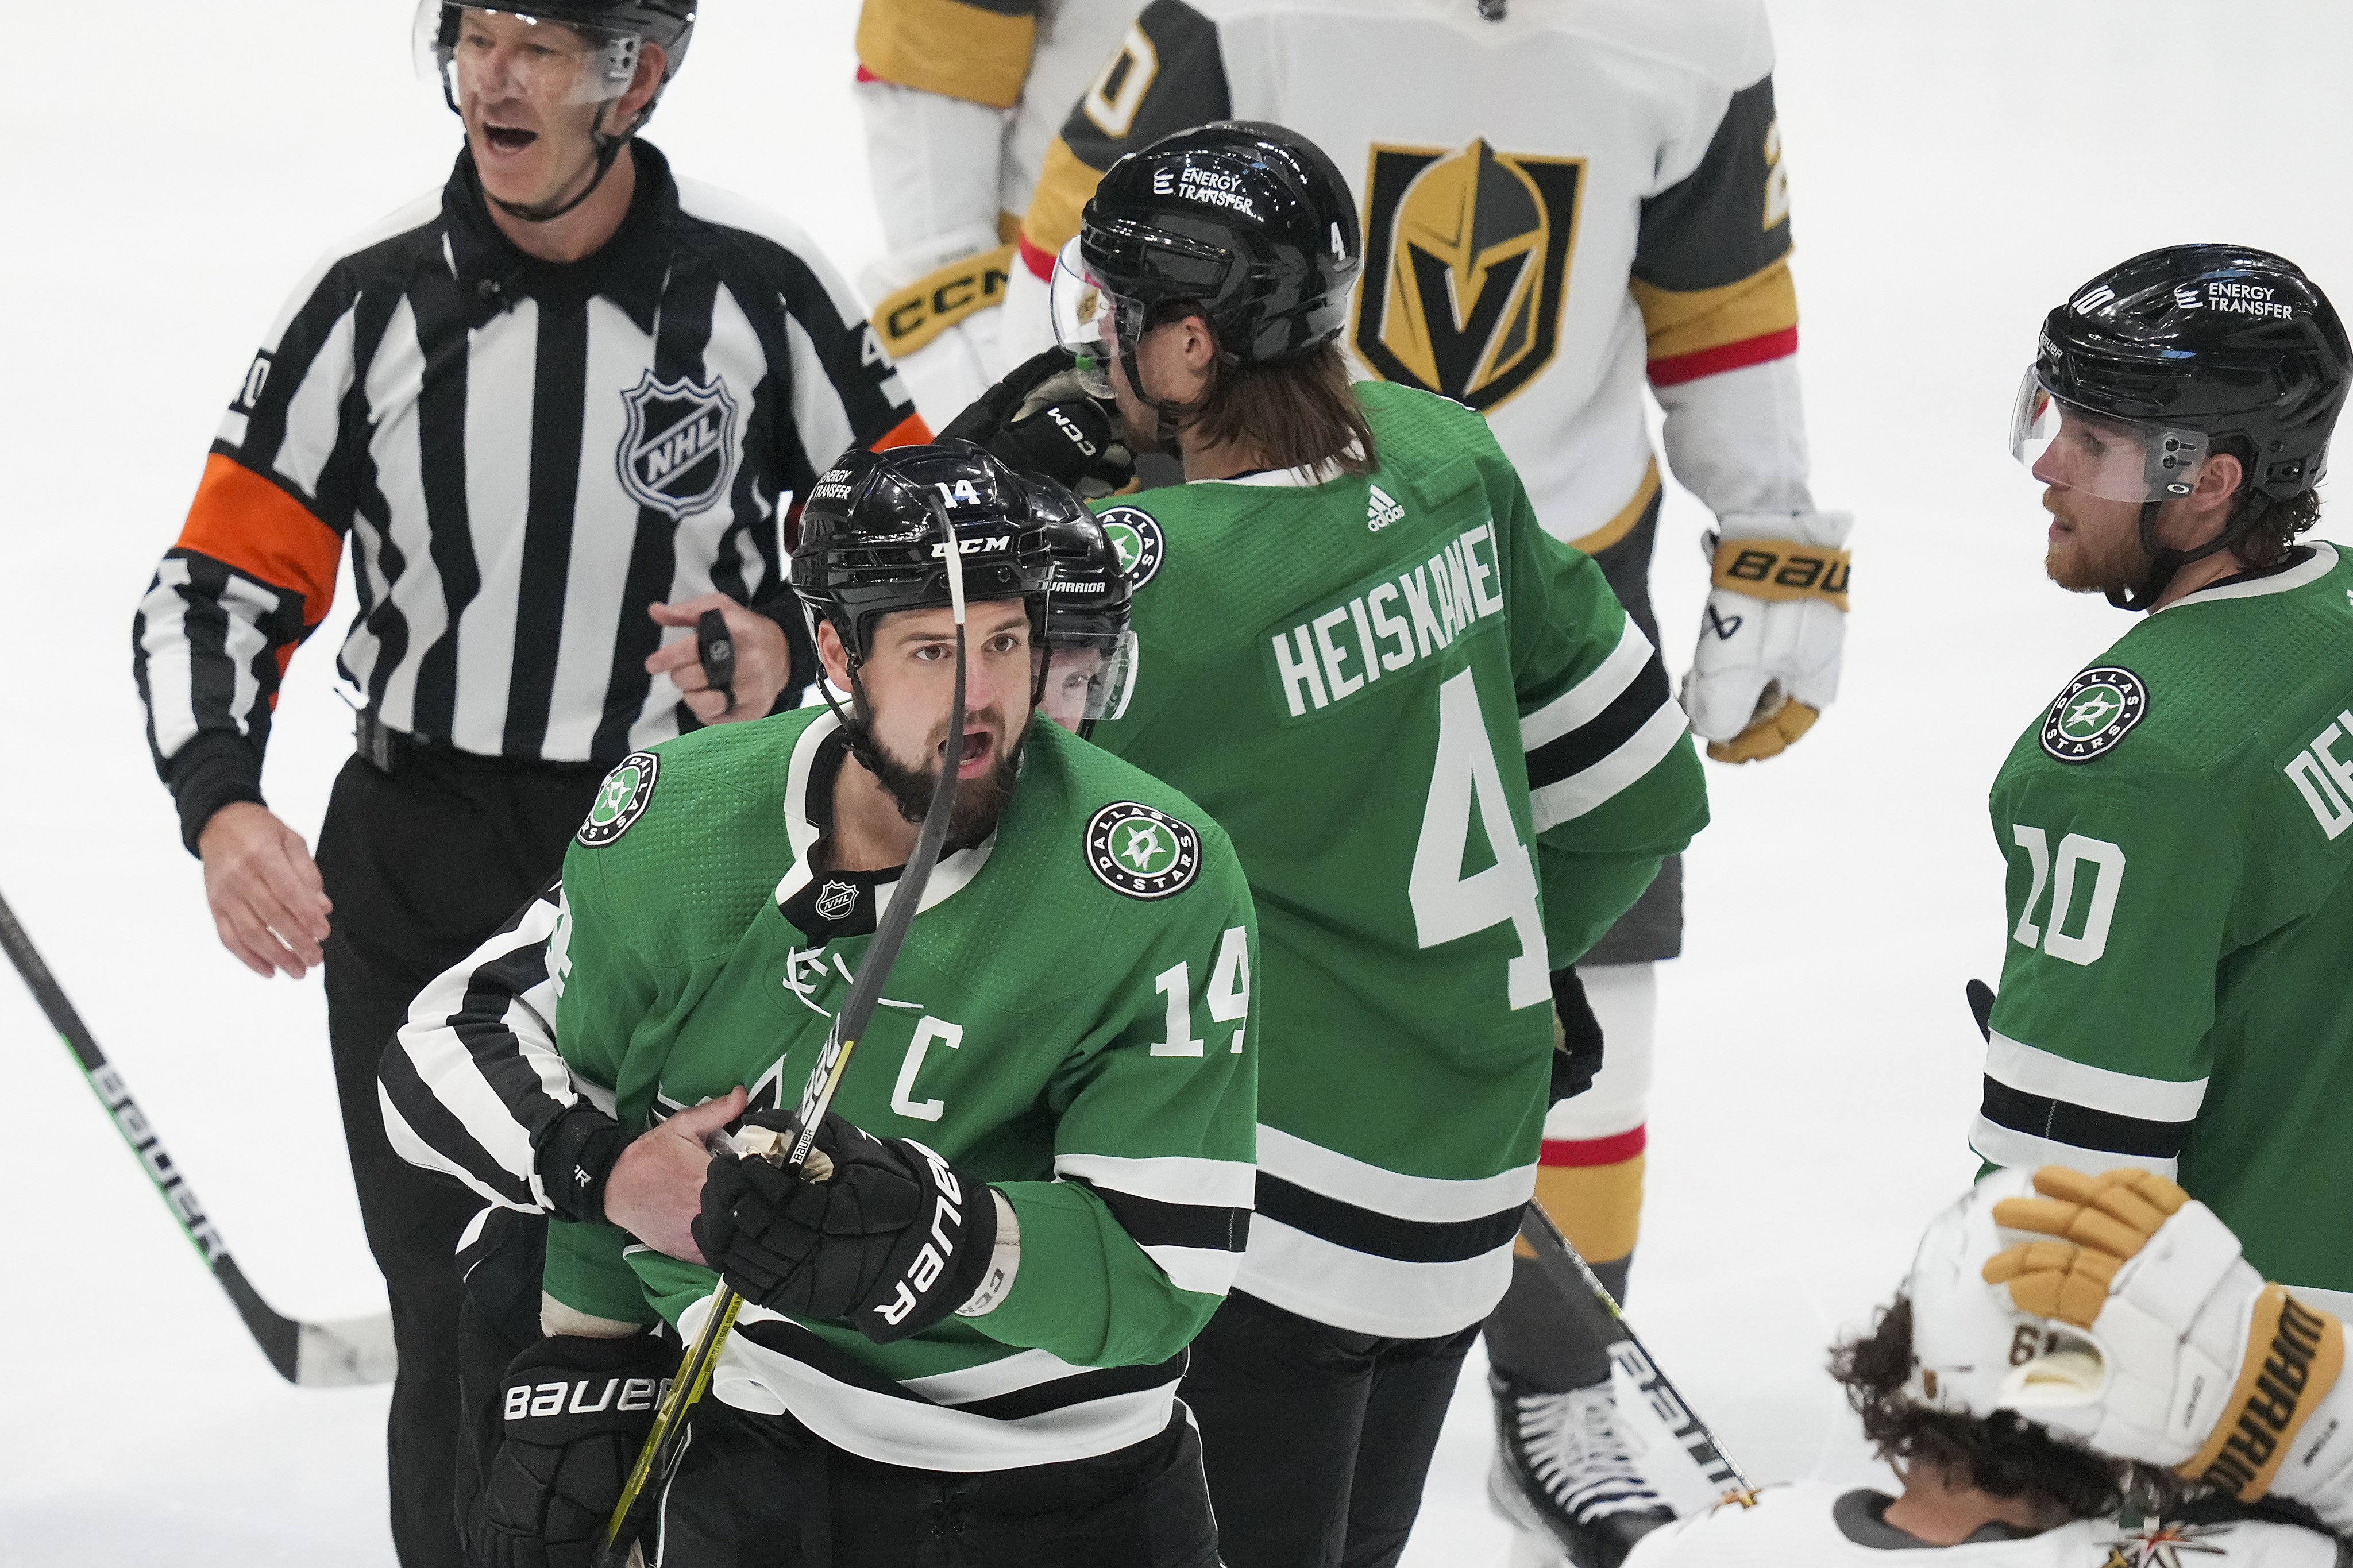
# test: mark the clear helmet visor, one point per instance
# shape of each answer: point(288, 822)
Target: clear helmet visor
point(481, 55)
point(2118, 459)
point(1086, 319)
point(1088, 676)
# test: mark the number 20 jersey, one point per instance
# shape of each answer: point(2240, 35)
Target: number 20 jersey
point(1448, 761)
point(2178, 990)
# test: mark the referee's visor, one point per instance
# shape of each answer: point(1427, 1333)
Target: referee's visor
point(488, 54)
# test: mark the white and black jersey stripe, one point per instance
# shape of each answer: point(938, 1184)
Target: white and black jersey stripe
point(1602, 733)
point(473, 1082)
point(524, 455)
point(2042, 1109)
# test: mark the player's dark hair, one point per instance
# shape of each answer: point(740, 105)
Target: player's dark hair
point(2003, 1453)
point(1294, 412)
point(2267, 525)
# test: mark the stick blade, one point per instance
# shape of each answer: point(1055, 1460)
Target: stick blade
point(346, 1353)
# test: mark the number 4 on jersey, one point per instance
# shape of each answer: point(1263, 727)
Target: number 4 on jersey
point(1447, 905)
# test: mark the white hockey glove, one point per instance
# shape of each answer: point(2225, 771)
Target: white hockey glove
point(2194, 1361)
point(1767, 661)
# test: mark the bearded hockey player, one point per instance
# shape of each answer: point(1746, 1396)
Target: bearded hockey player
point(1990, 1408)
point(1055, 1099)
point(2179, 909)
point(1563, 202)
point(961, 100)
point(558, 407)
point(1449, 760)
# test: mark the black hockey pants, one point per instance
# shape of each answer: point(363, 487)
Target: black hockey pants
point(1316, 1439)
point(760, 1491)
point(422, 866)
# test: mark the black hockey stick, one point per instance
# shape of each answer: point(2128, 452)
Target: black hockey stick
point(665, 1445)
point(1591, 1301)
point(1980, 995)
point(313, 1355)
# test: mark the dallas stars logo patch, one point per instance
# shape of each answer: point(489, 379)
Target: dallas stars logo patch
point(622, 801)
point(1141, 852)
point(1136, 535)
point(2098, 708)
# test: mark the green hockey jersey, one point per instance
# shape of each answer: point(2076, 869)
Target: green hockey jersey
point(1070, 1020)
point(2177, 993)
point(1449, 761)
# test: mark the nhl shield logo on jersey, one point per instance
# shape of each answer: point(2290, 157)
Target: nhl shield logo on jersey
point(1141, 852)
point(1135, 534)
point(679, 451)
point(2098, 708)
point(836, 899)
point(622, 801)
point(1466, 265)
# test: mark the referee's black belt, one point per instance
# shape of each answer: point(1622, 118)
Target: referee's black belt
point(390, 751)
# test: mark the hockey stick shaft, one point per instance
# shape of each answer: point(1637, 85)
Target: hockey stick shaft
point(665, 1445)
point(1590, 1299)
point(279, 1337)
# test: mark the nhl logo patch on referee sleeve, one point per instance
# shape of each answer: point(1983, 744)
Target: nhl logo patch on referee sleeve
point(2098, 708)
point(1141, 852)
point(628, 789)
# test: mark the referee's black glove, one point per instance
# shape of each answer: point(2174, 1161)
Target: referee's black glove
point(573, 1413)
point(1040, 419)
point(1577, 1037)
point(893, 1240)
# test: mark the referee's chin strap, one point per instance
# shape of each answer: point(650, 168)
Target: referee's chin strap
point(608, 152)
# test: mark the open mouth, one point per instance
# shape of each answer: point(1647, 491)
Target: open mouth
point(509, 138)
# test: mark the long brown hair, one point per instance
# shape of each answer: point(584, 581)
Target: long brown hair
point(1294, 412)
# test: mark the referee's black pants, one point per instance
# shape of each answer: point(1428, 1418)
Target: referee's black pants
point(423, 864)
point(1316, 1439)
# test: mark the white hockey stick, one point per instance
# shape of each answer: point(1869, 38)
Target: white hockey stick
point(312, 1355)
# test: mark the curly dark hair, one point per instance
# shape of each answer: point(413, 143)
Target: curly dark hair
point(2003, 1453)
point(2271, 526)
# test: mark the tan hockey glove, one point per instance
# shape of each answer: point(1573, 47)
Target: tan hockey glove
point(2201, 1365)
point(1772, 635)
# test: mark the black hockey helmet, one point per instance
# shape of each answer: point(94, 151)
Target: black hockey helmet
point(2183, 347)
point(614, 29)
point(618, 28)
point(871, 542)
point(1091, 651)
point(1249, 221)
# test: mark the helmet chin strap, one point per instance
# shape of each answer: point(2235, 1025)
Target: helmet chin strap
point(1165, 437)
point(608, 152)
point(2165, 562)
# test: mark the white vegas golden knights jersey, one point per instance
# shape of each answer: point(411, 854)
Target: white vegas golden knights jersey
point(1810, 1524)
point(961, 100)
point(1558, 206)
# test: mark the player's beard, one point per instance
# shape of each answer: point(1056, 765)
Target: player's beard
point(980, 802)
point(2090, 560)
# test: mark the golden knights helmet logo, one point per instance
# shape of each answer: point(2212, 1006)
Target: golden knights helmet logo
point(1466, 263)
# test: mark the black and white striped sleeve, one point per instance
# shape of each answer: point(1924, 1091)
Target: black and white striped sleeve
point(1607, 730)
point(473, 1086)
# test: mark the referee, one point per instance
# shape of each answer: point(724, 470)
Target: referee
point(562, 408)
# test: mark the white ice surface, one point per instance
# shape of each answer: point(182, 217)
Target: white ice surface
point(1955, 170)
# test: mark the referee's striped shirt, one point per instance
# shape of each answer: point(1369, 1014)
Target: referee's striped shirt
point(524, 455)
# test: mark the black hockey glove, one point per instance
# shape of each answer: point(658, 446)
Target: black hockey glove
point(1576, 1043)
point(1040, 420)
point(573, 1412)
point(893, 1239)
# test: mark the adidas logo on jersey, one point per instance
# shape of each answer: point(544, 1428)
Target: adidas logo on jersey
point(1380, 511)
